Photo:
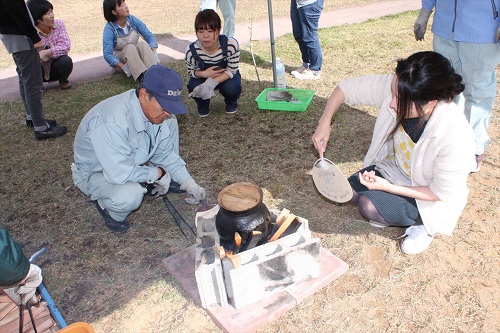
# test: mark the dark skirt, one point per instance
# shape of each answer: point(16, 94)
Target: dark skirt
point(396, 209)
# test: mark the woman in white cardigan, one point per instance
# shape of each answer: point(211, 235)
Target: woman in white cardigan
point(422, 149)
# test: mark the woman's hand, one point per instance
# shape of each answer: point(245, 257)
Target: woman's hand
point(321, 136)
point(213, 72)
point(373, 182)
point(45, 55)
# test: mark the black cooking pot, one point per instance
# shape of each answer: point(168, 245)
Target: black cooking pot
point(241, 210)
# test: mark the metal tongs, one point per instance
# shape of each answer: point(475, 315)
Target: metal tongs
point(177, 217)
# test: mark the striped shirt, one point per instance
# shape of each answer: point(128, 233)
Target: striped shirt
point(233, 57)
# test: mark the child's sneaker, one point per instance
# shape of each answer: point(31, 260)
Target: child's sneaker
point(417, 240)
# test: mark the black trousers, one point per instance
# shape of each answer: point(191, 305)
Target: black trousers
point(60, 69)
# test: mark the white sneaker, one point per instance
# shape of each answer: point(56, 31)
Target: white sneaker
point(417, 240)
point(306, 74)
point(299, 70)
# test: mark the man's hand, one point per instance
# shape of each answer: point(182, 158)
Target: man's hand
point(205, 90)
point(195, 192)
point(421, 23)
point(162, 185)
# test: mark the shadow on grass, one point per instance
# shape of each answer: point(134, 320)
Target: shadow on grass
point(91, 272)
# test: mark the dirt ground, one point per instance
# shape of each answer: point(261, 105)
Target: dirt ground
point(117, 282)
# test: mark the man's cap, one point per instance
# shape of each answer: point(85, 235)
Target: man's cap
point(165, 85)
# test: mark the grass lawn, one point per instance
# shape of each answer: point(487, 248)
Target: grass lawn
point(85, 20)
point(117, 282)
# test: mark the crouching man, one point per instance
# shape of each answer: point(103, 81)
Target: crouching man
point(129, 140)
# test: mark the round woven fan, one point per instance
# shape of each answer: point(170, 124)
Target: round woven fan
point(330, 181)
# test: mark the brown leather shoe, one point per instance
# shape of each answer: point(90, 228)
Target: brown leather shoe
point(65, 86)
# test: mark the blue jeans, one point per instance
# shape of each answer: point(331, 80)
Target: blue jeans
point(305, 21)
point(230, 89)
point(228, 8)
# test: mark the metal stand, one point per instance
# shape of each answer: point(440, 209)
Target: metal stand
point(271, 37)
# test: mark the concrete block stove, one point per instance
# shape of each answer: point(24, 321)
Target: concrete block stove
point(268, 280)
point(262, 271)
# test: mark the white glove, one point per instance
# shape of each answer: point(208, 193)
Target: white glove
point(162, 185)
point(421, 23)
point(22, 294)
point(156, 57)
point(195, 192)
point(126, 70)
point(205, 90)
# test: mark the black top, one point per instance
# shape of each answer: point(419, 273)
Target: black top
point(15, 20)
point(414, 127)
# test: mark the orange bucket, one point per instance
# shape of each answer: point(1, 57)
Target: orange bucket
point(80, 327)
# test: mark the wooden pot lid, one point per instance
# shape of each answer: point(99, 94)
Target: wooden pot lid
point(240, 197)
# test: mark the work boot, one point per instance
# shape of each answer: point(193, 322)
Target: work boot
point(51, 132)
point(29, 123)
point(111, 223)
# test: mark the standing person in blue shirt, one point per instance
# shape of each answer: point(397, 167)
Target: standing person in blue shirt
point(129, 143)
point(305, 21)
point(228, 9)
point(121, 46)
point(212, 62)
point(465, 32)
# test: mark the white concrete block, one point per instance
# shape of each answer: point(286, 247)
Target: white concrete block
point(208, 267)
point(270, 268)
point(264, 270)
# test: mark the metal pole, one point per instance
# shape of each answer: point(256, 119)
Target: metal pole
point(271, 36)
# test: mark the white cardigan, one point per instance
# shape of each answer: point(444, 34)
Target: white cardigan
point(443, 156)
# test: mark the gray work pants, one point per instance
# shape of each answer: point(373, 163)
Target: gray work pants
point(30, 86)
